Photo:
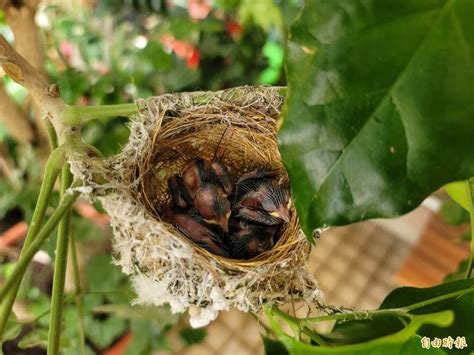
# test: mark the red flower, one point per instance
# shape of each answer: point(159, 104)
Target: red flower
point(234, 29)
point(193, 60)
point(182, 50)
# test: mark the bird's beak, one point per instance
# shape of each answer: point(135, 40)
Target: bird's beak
point(282, 213)
point(224, 224)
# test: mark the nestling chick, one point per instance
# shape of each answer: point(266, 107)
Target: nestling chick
point(251, 240)
point(256, 216)
point(179, 193)
point(194, 228)
point(201, 171)
point(195, 174)
point(220, 174)
point(213, 205)
point(257, 191)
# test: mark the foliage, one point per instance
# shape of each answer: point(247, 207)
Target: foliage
point(379, 95)
point(89, 55)
point(371, 116)
point(436, 312)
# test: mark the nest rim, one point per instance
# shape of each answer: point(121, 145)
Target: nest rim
point(265, 124)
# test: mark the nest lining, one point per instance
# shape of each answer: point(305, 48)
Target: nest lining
point(170, 131)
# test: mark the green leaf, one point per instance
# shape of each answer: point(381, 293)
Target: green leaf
point(12, 329)
point(104, 332)
point(102, 275)
point(460, 273)
point(355, 331)
point(453, 214)
point(459, 192)
point(141, 339)
point(404, 341)
point(191, 336)
point(405, 296)
point(150, 313)
point(264, 13)
point(461, 306)
point(39, 338)
point(273, 347)
point(379, 108)
point(362, 330)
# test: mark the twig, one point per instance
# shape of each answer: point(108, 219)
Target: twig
point(50, 175)
point(24, 261)
point(60, 264)
point(78, 295)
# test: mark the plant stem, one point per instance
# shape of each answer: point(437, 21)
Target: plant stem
point(50, 175)
point(24, 261)
point(314, 336)
point(471, 212)
point(76, 115)
point(53, 138)
point(398, 312)
point(60, 264)
point(78, 294)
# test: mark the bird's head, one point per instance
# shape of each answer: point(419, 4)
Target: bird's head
point(277, 202)
point(213, 206)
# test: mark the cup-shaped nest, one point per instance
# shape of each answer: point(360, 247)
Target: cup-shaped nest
point(166, 267)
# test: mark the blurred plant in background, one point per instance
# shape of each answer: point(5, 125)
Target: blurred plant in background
point(112, 52)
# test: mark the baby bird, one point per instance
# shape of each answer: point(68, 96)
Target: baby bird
point(257, 194)
point(201, 171)
point(194, 228)
point(179, 193)
point(213, 205)
point(250, 240)
point(256, 216)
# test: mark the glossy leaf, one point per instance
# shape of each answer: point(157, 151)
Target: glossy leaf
point(459, 192)
point(360, 330)
point(379, 109)
point(460, 273)
point(191, 336)
point(461, 306)
point(404, 341)
point(273, 347)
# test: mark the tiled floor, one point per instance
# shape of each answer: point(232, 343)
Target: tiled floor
point(355, 266)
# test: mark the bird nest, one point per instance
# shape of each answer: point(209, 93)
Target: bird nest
point(166, 267)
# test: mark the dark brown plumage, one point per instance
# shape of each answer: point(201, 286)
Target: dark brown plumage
point(179, 193)
point(201, 171)
point(194, 228)
point(201, 208)
point(260, 192)
point(250, 240)
point(213, 205)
